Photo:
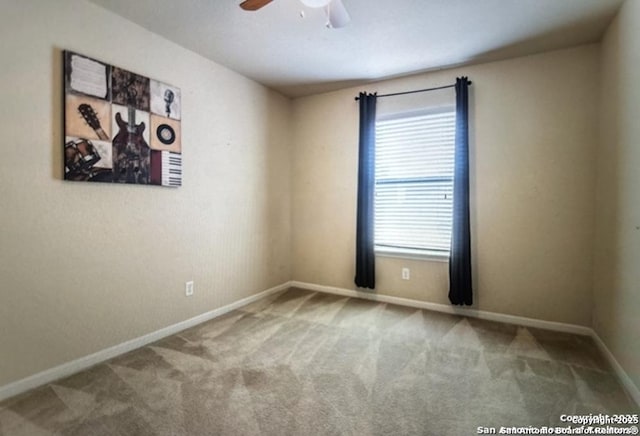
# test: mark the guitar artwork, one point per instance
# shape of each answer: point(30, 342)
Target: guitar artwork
point(90, 116)
point(130, 151)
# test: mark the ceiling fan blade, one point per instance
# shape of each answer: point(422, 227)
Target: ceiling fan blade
point(254, 5)
point(337, 14)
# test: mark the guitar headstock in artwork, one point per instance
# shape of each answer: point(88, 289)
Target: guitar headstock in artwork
point(89, 116)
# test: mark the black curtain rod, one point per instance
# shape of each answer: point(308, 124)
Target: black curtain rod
point(417, 90)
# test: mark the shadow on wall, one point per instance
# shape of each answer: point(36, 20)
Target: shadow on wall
point(57, 119)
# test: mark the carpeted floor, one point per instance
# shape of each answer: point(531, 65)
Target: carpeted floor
point(305, 363)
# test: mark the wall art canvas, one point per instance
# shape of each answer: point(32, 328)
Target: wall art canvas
point(119, 126)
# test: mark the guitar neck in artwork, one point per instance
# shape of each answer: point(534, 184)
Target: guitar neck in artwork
point(131, 152)
point(131, 125)
point(92, 120)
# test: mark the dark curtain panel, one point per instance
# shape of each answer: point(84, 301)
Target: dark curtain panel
point(460, 257)
point(365, 257)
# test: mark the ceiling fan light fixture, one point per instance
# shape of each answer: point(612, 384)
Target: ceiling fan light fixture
point(337, 15)
point(315, 3)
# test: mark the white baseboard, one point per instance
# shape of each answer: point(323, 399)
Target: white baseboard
point(74, 366)
point(624, 378)
point(446, 308)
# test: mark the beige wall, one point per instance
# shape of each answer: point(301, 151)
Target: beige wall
point(533, 139)
point(617, 272)
point(86, 266)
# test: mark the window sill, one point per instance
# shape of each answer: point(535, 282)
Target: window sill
point(404, 253)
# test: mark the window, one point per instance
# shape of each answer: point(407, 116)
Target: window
point(414, 183)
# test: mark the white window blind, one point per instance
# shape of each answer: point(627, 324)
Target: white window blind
point(414, 182)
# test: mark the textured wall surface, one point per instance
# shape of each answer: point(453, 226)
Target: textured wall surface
point(617, 276)
point(533, 140)
point(86, 266)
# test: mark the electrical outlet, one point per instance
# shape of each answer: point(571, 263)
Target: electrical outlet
point(406, 274)
point(188, 288)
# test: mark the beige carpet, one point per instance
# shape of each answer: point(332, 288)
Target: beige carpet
point(305, 363)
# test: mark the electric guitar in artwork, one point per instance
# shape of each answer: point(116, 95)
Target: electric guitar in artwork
point(92, 120)
point(130, 150)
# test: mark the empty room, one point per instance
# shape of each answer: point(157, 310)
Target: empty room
point(353, 217)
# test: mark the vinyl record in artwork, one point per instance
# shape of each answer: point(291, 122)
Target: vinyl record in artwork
point(165, 134)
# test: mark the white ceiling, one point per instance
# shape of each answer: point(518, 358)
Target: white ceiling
point(386, 38)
